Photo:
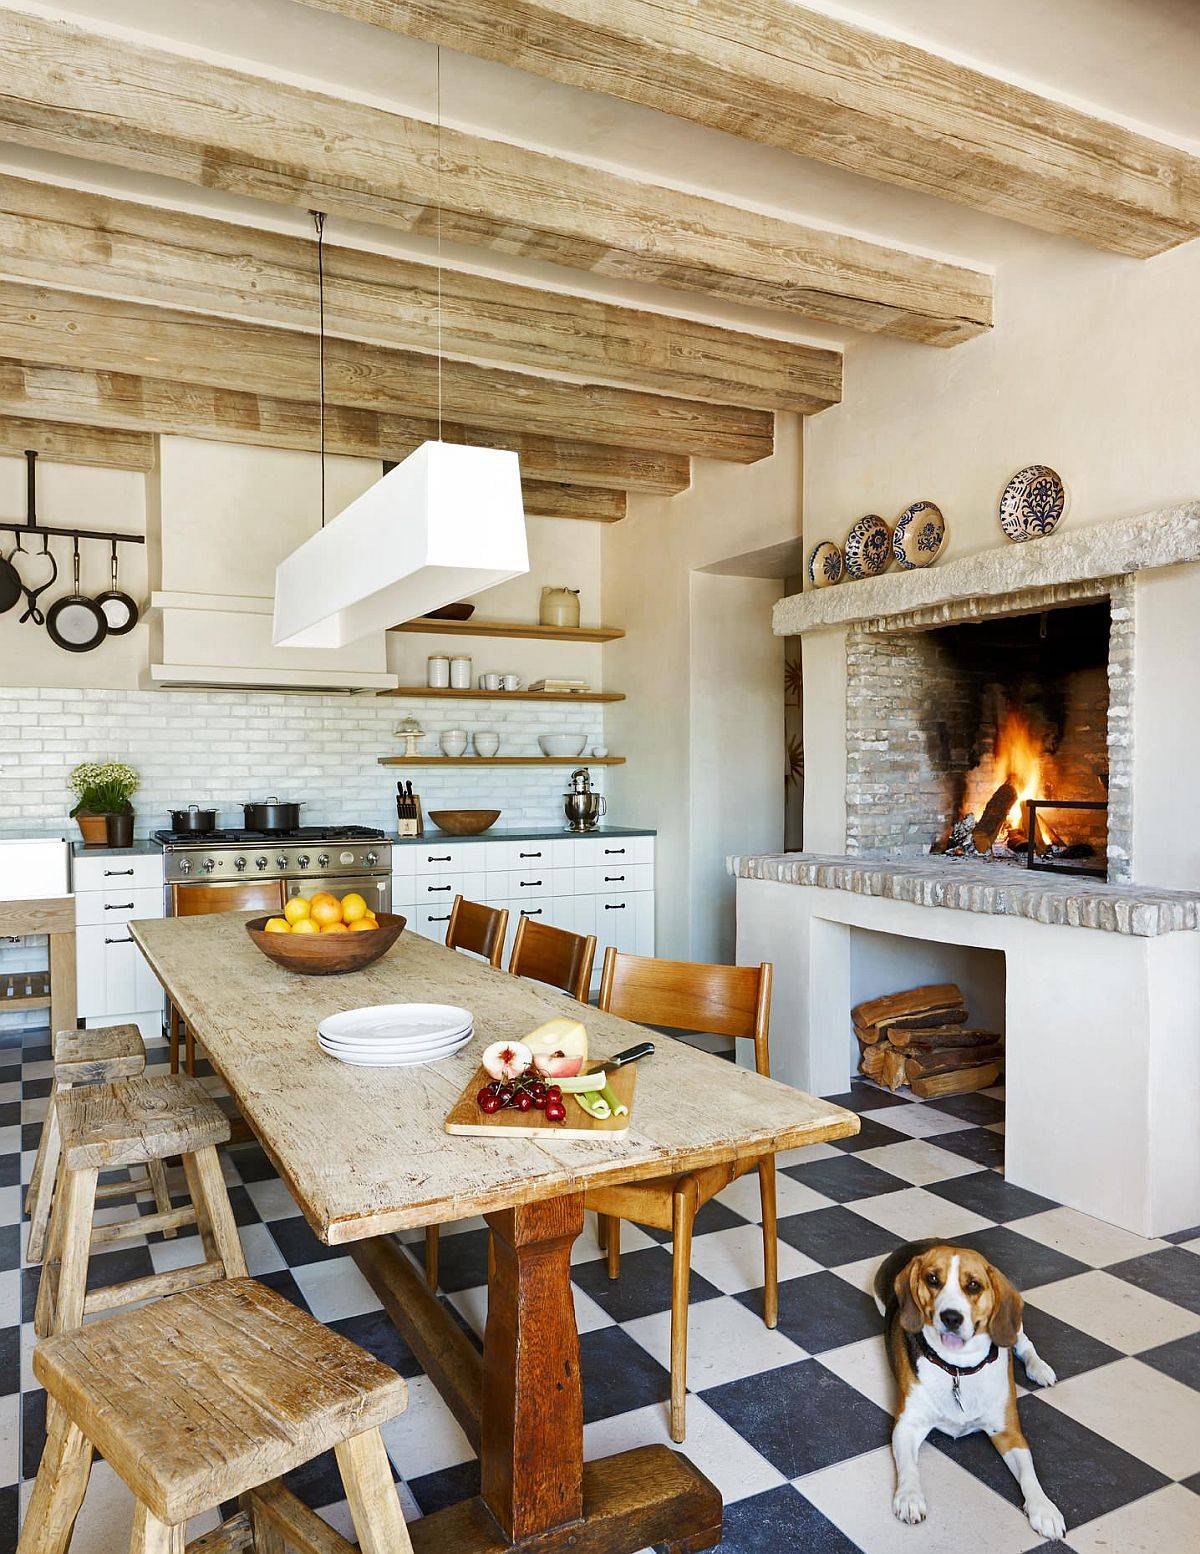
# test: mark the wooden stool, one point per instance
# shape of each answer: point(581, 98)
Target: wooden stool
point(134, 1123)
point(207, 1397)
point(86, 1058)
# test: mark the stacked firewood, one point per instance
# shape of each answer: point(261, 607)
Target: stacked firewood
point(921, 1038)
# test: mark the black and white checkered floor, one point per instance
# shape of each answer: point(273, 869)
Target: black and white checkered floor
point(792, 1425)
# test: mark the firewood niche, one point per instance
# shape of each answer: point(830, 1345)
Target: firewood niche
point(921, 1038)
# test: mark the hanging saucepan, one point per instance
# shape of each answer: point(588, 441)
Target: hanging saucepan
point(33, 610)
point(193, 821)
point(272, 815)
point(76, 623)
point(120, 612)
point(10, 580)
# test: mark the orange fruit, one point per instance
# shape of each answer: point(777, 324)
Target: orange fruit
point(278, 925)
point(363, 925)
point(305, 925)
point(296, 909)
point(322, 895)
point(353, 907)
point(334, 928)
point(325, 913)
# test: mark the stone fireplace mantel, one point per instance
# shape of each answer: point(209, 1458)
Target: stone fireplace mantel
point(1075, 559)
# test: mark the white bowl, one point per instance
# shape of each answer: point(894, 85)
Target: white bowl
point(486, 743)
point(454, 742)
point(568, 745)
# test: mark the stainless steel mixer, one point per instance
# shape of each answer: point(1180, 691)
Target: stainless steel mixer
point(582, 806)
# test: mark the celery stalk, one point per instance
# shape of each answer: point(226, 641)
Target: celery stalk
point(616, 1107)
point(594, 1105)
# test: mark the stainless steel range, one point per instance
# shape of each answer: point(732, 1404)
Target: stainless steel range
point(311, 858)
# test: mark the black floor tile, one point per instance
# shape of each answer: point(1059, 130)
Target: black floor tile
point(9, 1505)
point(618, 1374)
point(297, 1243)
point(462, 1260)
point(10, 1170)
point(866, 1098)
point(819, 1311)
point(981, 1145)
point(1180, 1359)
point(1026, 1262)
point(1069, 1350)
point(871, 1135)
point(781, 1519)
point(436, 1491)
point(1192, 1483)
point(844, 1178)
point(973, 1107)
point(115, 1267)
point(1085, 1475)
point(1180, 1236)
point(10, 1360)
point(10, 1247)
point(836, 1235)
point(643, 1288)
point(785, 1414)
point(715, 1215)
point(375, 1332)
point(988, 1194)
point(251, 1163)
point(282, 1282)
point(33, 1431)
point(1172, 1273)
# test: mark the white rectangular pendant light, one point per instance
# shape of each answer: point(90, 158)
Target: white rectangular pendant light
point(446, 523)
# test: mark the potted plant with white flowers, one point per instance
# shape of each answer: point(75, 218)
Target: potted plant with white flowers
point(103, 790)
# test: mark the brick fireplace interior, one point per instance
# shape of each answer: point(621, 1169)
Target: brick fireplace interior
point(952, 727)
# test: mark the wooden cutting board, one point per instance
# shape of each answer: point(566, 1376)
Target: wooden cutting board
point(465, 1117)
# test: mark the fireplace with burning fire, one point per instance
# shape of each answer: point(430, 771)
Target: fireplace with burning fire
point(984, 740)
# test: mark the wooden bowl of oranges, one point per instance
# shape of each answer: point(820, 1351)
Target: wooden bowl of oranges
point(323, 937)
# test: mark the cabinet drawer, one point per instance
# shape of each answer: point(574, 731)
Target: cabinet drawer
point(447, 858)
point(523, 883)
point(108, 873)
point(431, 922)
point(614, 878)
point(586, 851)
point(431, 889)
point(117, 904)
point(112, 975)
point(518, 855)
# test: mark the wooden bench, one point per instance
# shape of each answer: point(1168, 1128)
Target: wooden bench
point(207, 1397)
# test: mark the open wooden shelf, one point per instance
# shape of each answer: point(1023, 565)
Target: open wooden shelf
point(502, 760)
point(478, 628)
point(476, 695)
point(24, 990)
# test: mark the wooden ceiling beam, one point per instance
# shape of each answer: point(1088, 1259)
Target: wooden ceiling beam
point(62, 443)
point(118, 248)
point(83, 398)
point(777, 72)
point(65, 329)
point(545, 499)
point(65, 89)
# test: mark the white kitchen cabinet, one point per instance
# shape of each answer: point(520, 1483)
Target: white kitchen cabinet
point(115, 985)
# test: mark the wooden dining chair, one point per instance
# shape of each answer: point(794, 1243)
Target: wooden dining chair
point(480, 929)
point(554, 956)
point(202, 900)
point(715, 1000)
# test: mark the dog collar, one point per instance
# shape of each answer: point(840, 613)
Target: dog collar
point(922, 1344)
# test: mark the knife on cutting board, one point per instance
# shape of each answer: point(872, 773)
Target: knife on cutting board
point(643, 1049)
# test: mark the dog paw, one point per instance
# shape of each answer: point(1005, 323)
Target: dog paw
point(909, 1505)
point(1045, 1518)
point(1040, 1373)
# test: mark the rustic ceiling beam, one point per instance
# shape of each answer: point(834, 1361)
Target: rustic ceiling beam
point(119, 248)
point(62, 443)
point(86, 398)
point(66, 329)
point(545, 499)
point(777, 72)
point(66, 89)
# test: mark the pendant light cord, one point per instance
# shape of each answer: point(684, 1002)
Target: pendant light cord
point(319, 222)
point(439, 239)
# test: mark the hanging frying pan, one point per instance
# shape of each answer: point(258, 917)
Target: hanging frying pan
point(120, 612)
point(10, 580)
point(33, 611)
point(76, 623)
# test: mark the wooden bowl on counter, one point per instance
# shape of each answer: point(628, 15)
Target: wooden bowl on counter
point(326, 954)
point(464, 822)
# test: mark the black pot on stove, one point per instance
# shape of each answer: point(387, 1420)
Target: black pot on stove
point(193, 821)
point(272, 815)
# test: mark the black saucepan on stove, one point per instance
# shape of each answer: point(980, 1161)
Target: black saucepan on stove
point(193, 821)
point(272, 815)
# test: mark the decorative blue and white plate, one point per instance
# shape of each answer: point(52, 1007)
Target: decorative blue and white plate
point(825, 565)
point(1033, 503)
point(868, 547)
point(919, 535)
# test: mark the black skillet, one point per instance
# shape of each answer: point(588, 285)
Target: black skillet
point(10, 580)
point(120, 612)
point(76, 623)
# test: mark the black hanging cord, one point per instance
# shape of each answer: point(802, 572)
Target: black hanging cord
point(319, 222)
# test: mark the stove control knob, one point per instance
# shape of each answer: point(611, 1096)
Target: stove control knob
point(239, 864)
point(260, 863)
point(345, 857)
point(185, 866)
point(281, 862)
point(303, 861)
point(209, 865)
point(323, 861)
point(371, 859)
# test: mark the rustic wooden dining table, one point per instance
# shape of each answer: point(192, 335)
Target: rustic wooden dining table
point(365, 1154)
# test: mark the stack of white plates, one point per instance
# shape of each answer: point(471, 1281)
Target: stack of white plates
point(395, 1035)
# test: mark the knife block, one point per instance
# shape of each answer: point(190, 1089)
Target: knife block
point(410, 820)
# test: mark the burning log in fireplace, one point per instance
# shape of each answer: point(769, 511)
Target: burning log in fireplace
point(921, 1038)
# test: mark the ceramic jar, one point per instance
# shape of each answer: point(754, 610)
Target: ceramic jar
point(559, 607)
point(437, 672)
point(460, 673)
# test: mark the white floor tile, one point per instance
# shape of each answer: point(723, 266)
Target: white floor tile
point(425, 1438)
point(1152, 1416)
point(472, 1306)
point(725, 1342)
point(1166, 1522)
point(963, 1513)
point(733, 1259)
point(1115, 1312)
point(272, 1199)
point(864, 1366)
point(586, 1247)
point(334, 1288)
point(1086, 1239)
point(715, 1447)
point(10, 1439)
point(261, 1253)
point(918, 1162)
point(791, 1197)
point(861, 1274)
point(791, 1157)
point(918, 1120)
point(185, 1249)
point(914, 1213)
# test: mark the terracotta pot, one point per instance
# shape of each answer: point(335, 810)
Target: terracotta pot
point(119, 830)
point(94, 829)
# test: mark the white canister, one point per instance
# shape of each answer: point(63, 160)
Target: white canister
point(437, 672)
point(460, 673)
point(486, 743)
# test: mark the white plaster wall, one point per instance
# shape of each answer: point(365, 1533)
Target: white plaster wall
point(1166, 726)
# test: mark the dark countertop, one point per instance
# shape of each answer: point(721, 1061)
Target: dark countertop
point(517, 834)
point(142, 847)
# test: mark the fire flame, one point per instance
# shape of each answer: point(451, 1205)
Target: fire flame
point(1019, 752)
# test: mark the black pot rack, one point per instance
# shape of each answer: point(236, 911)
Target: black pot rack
point(32, 526)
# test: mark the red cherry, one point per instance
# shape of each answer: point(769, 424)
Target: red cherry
point(523, 1101)
point(555, 1111)
point(484, 1095)
point(553, 1093)
point(490, 1104)
point(540, 1102)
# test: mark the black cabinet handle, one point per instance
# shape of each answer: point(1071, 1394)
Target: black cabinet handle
point(432, 889)
point(439, 858)
point(118, 906)
point(531, 882)
point(608, 907)
point(531, 911)
point(107, 940)
point(529, 855)
point(609, 850)
point(614, 879)
point(111, 874)
point(445, 919)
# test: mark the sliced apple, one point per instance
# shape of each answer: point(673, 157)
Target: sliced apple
point(559, 1048)
point(505, 1060)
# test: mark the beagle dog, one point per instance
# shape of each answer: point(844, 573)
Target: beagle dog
point(952, 1322)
